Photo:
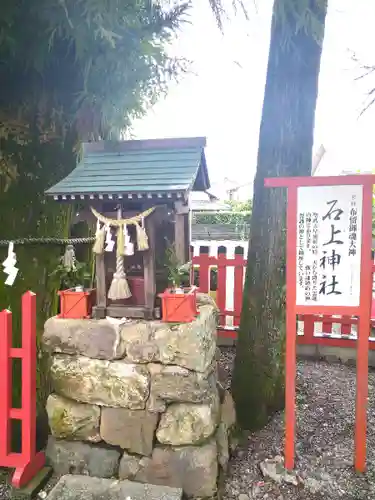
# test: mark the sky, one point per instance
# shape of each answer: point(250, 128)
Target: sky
point(348, 137)
point(222, 97)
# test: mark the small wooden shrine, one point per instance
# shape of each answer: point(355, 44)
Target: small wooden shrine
point(136, 194)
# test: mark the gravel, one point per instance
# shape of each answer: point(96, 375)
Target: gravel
point(4, 488)
point(324, 447)
point(324, 442)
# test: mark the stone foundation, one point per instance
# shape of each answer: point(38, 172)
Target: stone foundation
point(139, 400)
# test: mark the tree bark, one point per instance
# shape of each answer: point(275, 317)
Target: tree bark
point(285, 149)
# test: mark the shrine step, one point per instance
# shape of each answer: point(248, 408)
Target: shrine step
point(89, 488)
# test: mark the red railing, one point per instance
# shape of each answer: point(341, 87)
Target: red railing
point(328, 336)
point(313, 329)
point(27, 462)
point(222, 264)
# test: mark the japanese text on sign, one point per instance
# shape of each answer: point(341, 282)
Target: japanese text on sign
point(329, 245)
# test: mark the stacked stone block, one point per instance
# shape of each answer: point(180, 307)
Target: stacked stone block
point(139, 400)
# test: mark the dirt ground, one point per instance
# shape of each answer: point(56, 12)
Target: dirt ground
point(324, 448)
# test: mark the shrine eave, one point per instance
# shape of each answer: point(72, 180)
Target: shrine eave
point(120, 196)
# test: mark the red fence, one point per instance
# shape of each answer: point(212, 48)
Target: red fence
point(204, 264)
point(332, 331)
point(28, 462)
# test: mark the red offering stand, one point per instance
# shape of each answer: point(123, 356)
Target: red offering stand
point(179, 307)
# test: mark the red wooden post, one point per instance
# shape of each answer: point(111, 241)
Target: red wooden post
point(346, 326)
point(204, 272)
point(238, 287)
point(308, 328)
point(327, 324)
point(27, 463)
point(291, 330)
point(29, 374)
point(191, 255)
point(363, 332)
point(5, 384)
point(221, 285)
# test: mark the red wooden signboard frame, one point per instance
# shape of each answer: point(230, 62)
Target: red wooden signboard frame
point(28, 462)
point(363, 311)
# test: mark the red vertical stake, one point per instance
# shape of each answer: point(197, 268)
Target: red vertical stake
point(204, 272)
point(221, 285)
point(5, 384)
point(191, 258)
point(238, 287)
point(291, 328)
point(327, 324)
point(29, 375)
point(28, 463)
point(308, 328)
point(363, 332)
point(346, 325)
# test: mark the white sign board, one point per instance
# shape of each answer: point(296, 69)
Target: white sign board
point(329, 231)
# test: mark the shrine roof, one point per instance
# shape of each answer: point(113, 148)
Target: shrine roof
point(144, 168)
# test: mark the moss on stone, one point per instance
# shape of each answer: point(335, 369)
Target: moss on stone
point(59, 422)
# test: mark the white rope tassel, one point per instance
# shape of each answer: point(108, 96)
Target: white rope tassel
point(119, 288)
point(109, 242)
point(128, 245)
point(98, 247)
point(142, 239)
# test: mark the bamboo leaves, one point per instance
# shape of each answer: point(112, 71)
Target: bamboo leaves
point(99, 63)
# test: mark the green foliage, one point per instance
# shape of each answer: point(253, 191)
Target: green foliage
point(83, 65)
point(238, 218)
point(25, 212)
point(173, 266)
point(69, 278)
point(70, 70)
point(34, 263)
point(239, 215)
point(241, 206)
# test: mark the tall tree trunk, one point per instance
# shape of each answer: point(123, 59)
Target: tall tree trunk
point(285, 149)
